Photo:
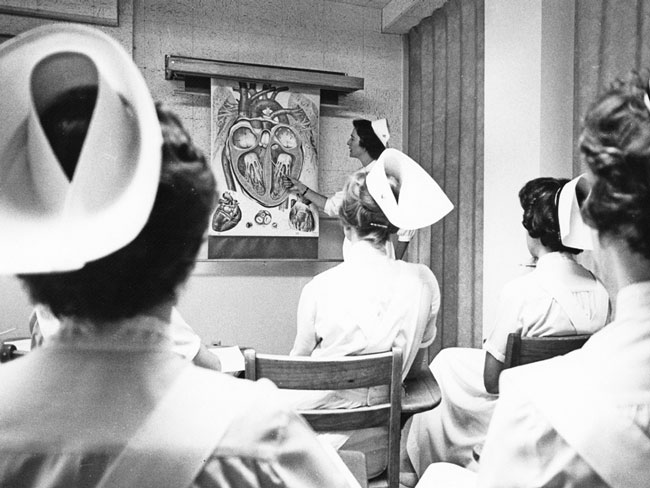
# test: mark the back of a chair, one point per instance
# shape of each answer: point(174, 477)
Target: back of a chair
point(524, 350)
point(364, 371)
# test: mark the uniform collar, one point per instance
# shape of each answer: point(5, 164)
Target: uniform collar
point(142, 332)
point(362, 251)
point(553, 257)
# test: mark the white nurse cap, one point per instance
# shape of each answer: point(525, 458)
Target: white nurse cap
point(48, 222)
point(573, 230)
point(421, 201)
point(380, 128)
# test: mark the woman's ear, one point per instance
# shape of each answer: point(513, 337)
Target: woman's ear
point(351, 233)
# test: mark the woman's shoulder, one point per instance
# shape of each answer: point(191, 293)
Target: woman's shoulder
point(519, 287)
point(418, 271)
point(243, 398)
point(334, 273)
point(263, 438)
point(570, 272)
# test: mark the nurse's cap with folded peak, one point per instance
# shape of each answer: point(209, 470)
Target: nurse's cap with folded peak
point(380, 128)
point(573, 230)
point(421, 201)
point(48, 222)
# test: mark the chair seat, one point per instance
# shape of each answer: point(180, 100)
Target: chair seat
point(356, 463)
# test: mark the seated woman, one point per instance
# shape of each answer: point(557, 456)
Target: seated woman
point(121, 203)
point(581, 420)
point(559, 297)
point(371, 302)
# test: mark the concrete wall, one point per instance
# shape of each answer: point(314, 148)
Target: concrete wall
point(253, 303)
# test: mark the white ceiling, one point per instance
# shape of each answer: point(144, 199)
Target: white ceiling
point(366, 3)
point(398, 16)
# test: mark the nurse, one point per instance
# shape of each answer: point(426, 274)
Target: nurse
point(559, 297)
point(367, 141)
point(371, 302)
point(104, 205)
point(581, 420)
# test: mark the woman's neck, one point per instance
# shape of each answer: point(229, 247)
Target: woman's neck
point(366, 159)
point(619, 266)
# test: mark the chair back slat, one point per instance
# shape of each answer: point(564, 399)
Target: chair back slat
point(305, 373)
point(524, 350)
point(327, 420)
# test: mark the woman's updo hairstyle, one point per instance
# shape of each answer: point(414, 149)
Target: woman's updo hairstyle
point(359, 210)
point(539, 199)
point(367, 138)
point(615, 145)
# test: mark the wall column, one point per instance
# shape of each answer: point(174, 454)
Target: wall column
point(529, 51)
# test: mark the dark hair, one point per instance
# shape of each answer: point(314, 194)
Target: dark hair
point(615, 145)
point(367, 138)
point(148, 271)
point(65, 123)
point(539, 199)
point(359, 210)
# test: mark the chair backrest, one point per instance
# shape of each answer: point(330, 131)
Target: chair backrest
point(523, 350)
point(348, 372)
point(9, 351)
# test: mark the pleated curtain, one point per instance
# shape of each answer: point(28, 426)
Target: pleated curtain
point(445, 135)
point(612, 37)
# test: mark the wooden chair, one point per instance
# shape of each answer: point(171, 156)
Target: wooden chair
point(9, 351)
point(306, 373)
point(524, 350)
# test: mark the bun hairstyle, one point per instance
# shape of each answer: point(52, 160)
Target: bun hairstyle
point(539, 199)
point(359, 210)
point(367, 138)
point(615, 145)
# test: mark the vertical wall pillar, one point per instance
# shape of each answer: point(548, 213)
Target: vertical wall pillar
point(529, 46)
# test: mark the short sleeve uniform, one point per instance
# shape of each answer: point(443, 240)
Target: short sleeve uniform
point(529, 305)
point(369, 303)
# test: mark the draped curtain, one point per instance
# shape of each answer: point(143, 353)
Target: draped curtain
point(445, 135)
point(612, 37)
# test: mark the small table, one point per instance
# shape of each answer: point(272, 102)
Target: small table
point(421, 393)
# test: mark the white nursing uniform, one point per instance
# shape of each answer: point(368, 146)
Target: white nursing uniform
point(559, 297)
point(70, 407)
point(367, 304)
point(577, 421)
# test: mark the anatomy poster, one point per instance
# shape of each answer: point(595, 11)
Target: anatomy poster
point(260, 133)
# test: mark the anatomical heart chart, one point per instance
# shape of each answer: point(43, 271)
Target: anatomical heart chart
point(260, 134)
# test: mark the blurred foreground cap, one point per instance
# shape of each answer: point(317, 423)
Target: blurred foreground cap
point(421, 201)
point(573, 230)
point(50, 223)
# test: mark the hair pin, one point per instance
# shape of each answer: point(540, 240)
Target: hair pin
point(381, 226)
